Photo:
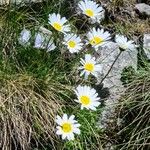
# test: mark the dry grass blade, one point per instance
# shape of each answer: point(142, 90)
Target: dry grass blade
point(135, 111)
point(27, 115)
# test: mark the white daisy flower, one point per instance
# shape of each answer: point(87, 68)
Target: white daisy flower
point(92, 10)
point(73, 43)
point(90, 66)
point(67, 127)
point(24, 38)
point(87, 97)
point(42, 41)
point(124, 43)
point(58, 23)
point(98, 37)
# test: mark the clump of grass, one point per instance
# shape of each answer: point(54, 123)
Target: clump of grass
point(35, 86)
point(28, 109)
point(133, 132)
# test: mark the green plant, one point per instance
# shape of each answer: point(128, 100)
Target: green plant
point(36, 85)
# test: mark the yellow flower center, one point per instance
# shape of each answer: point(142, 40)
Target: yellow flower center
point(89, 67)
point(71, 44)
point(57, 26)
point(67, 127)
point(85, 100)
point(89, 12)
point(96, 40)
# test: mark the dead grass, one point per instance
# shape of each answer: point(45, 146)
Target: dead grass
point(28, 111)
point(136, 112)
point(132, 29)
point(133, 111)
point(123, 18)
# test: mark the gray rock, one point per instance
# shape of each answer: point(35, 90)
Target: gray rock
point(112, 81)
point(143, 9)
point(146, 45)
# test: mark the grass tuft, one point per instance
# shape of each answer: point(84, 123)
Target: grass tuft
point(133, 111)
point(28, 109)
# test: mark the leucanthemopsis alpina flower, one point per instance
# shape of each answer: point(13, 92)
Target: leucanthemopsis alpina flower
point(92, 10)
point(67, 126)
point(73, 43)
point(98, 37)
point(24, 38)
point(124, 43)
point(87, 97)
point(42, 41)
point(58, 23)
point(90, 66)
